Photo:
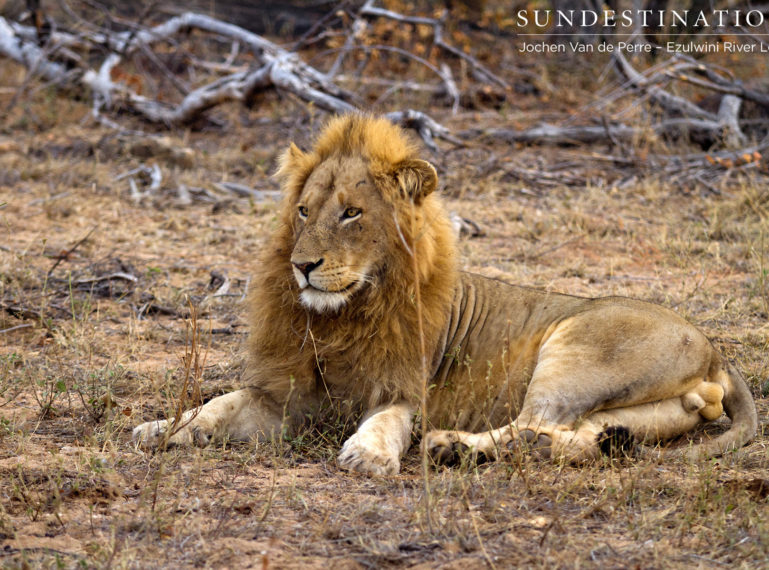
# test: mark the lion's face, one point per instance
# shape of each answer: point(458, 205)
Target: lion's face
point(359, 217)
point(340, 233)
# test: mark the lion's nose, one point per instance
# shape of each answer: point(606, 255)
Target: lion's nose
point(307, 266)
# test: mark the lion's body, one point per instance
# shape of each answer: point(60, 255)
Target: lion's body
point(358, 295)
point(499, 334)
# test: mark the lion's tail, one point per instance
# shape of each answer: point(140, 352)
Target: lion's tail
point(741, 409)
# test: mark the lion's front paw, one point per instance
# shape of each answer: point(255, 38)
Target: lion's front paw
point(153, 434)
point(150, 434)
point(362, 456)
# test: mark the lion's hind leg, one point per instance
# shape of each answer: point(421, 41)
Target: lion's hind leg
point(615, 432)
point(610, 433)
point(666, 419)
point(450, 447)
point(621, 364)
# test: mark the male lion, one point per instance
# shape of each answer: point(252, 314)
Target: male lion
point(358, 295)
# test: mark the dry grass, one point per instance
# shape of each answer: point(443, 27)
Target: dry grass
point(83, 360)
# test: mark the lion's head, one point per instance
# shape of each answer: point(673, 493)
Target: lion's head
point(357, 206)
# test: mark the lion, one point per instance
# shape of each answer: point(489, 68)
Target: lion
point(358, 301)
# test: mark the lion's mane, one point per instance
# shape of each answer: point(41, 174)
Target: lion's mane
point(289, 346)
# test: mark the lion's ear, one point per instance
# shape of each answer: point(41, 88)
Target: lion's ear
point(289, 161)
point(416, 178)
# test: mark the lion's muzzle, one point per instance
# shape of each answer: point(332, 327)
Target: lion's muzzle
point(325, 286)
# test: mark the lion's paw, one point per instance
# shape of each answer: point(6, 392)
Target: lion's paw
point(540, 445)
point(150, 434)
point(361, 456)
point(153, 434)
point(447, 448)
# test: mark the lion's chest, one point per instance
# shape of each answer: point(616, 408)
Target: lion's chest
point(343, 378)
point(368, 377)
point(337, 372)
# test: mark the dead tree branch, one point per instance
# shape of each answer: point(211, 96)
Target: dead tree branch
point(552, 134)
point(684, 118)
point(590, 134)
point(28, 53)
point(650, 86)
point(275, 67)
point(720, 82)
point(279, 68)
point(424, 125)
point(725, 124)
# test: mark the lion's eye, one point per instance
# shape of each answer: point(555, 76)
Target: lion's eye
point(350, 213)
point(303, 212)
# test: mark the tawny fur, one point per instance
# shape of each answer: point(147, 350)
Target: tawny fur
point(335, 319)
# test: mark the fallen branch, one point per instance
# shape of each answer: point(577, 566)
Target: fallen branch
point(729, 120)
point(687, 118)
point(275, 67)
point(427, 127)
point(118, 275)
point(724, 125)
point(27, 52)
point(15, 328)
point(717, 82)
point(650, 86)
point(68, 252)
point(589, 134)
point(153, 173)
point(247, 192)
point(552, 134)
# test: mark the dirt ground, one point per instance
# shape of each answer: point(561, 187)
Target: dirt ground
point(96, 285)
